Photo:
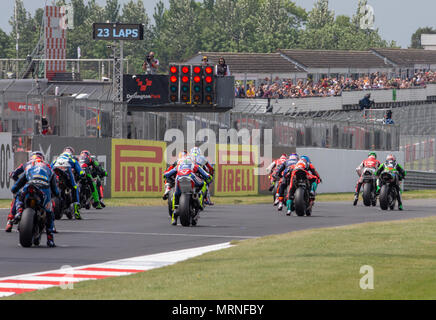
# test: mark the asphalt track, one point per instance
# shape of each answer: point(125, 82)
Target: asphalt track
point(117, 233)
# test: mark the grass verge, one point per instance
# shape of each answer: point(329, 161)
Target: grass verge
point(310, 264)
point(245, 200)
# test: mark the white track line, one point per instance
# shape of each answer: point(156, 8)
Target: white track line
point(65, 276)
point(159, 234)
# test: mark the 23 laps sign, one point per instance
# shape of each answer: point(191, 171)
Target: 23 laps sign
point(118, 31)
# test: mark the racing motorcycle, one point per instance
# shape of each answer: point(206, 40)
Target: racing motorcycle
point(84, 185)
point(63, 203)
point(302, 202)
point(34, 216)
point(388, 191)
point(369, 187)
point(189, 203)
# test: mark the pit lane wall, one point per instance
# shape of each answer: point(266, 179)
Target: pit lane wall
point(135, 167)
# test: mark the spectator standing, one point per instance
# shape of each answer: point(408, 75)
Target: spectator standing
point(205, 61)
point(222, 69)
point(150, 65)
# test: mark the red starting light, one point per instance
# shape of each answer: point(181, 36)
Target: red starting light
point(197, 79)
point(173, 69)
point(197, 69)
point(173, 79)
point(185, 79)
point(208, 79)
point(208, 70)
point(185, 69)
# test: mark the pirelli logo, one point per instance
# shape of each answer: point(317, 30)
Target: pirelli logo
point(137, 167)
point(236, 171)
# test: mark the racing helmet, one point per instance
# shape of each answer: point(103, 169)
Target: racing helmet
point(37, 155)
point(284, 156)
point(85, 152)
point(195, 152)
point(373, 154)
point(293, 156)
point(306, 158)
point(182, 154)
point(391, 157)
point(69, 150)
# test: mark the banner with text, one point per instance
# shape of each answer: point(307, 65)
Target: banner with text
point(137, 168)
point(235, 170)
point(6, 165)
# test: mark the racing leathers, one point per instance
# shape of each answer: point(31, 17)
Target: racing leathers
point(399, 177)
point(99, 173)
point(66, 160)
point(370, 162)
point(272, 169)
point(206, 166)
point(186, 168)
point(92, 169)
point(14, 175)
point(284, 172)
point(39, 172)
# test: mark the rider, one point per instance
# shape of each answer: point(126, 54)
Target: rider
point(169, 181)
point(85, 157)
point(391, 160)
point(67, 155)
point(370, 162)
point(204, 164)
point(99, 173)
point(186, 167)
point(313, 177)
point(39, 171)
point(273, 167)
point(284, 171)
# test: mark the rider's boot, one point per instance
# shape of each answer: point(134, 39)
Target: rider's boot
point(50, 240)
point(289, 207)
point(280, 203)
point(77, 215)
point(10, 222)
point(17, 217)
point(276, 202)
point(102, 203)
point(356, 198)
point(167, 191)
point(400, 202)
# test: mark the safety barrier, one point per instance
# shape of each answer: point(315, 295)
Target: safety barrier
point(418, 180)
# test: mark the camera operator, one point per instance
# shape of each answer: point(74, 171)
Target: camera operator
point(150, 64)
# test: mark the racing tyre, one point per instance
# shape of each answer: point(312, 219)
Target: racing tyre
point(384, 197)
point(27, 227)
point(300, 202)
point(367, 194)
point(184, 210)
point(58, 213)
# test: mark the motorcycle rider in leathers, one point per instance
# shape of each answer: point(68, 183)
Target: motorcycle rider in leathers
point(370, 162)
point(271, 170)
point(38, 170)
point(283, 174)
point(186, 167)
point(390, 159)
point(204, 163)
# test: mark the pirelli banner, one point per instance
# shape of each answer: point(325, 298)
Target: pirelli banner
point(137, 168)
point(235, 170)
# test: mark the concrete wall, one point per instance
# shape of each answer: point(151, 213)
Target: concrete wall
point(337, 167)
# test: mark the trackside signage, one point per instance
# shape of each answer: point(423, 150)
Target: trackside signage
point(137, 168)
point(6, 165)
point(235, 170)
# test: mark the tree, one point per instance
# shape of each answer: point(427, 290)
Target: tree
point(320, 15)
point(112, 11)
point(416, 37)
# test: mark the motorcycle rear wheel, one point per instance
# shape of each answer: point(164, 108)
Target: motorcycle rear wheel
point(184, 210)
point(367, 194)
point(300, 202)
point(27, 227)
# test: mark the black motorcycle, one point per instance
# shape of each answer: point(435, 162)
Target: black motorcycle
point(302, 202)
point(388, 190)
point(189, 203)
point(369, 187)
point(33, 219)
point(63, 203)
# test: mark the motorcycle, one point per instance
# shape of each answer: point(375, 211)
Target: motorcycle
point(388, 191)
point(369, 187)
point(302, 202)
point(189, 203)
point(84, 185)
point(34, 216)
point(63, 203)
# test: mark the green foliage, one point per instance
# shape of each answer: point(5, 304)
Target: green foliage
point(186, 27)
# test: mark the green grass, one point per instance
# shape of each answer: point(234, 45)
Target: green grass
point(245, 200)
point(311, 264)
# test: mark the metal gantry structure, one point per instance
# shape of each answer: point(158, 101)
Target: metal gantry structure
point(117, 89)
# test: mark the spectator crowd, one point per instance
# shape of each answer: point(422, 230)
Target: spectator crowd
point(331, 86)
